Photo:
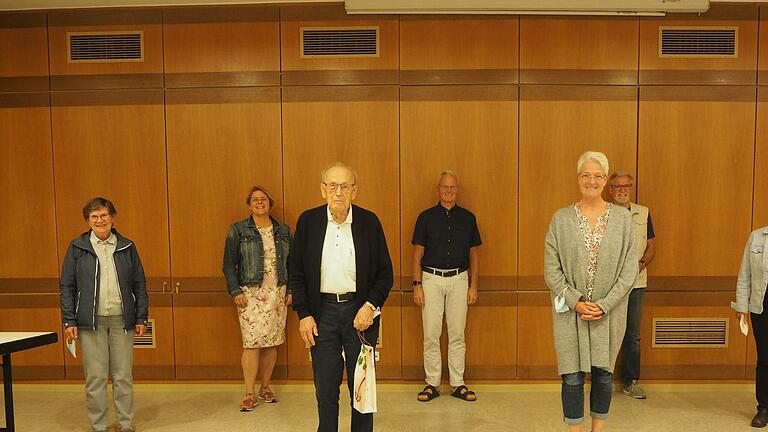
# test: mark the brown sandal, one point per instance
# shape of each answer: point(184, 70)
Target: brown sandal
point(463, 393)
point(249, 403)
point(267, 396)
point(430, 392)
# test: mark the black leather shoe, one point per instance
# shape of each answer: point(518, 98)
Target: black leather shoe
point(761, 418)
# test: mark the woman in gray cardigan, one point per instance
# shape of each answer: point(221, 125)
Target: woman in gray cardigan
point(589, 266)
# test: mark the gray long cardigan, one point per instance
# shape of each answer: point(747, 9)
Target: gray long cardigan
point(581, 344)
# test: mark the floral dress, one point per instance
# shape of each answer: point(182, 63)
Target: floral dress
point(262, 321)
point(592, 240)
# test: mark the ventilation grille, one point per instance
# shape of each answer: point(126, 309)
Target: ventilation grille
point(690, 333)
point(339, 42)
point(105, 47)
point(698, 42)
point(148, 340)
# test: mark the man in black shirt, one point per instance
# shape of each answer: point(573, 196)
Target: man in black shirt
point(446, 243)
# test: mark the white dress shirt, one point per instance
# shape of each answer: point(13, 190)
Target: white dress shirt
point(110, 302)
point(337, 267)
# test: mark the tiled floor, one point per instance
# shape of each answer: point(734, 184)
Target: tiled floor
point(513, 407)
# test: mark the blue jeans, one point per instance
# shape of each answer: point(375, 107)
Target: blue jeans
point(335, 331)
point(599, 396)
point(630, 369)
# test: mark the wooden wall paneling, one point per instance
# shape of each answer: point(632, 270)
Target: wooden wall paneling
point(762, 55)
point(26, 183)
point(536, 357)
point(691, 363)
point(458, 49)
point(579, 50)
point(335, 70)
point(558, 124)
point(702, 70)
point(214, 131)
point(112, 144)
point(683, 130)
point(96, 75)
point(24, 44)
point(34, 313)
point(354, 125)
point(207, 338)
point(473, 131)
point(490, 335)
point(298, 356)
point(221, 46)
point(760, 204)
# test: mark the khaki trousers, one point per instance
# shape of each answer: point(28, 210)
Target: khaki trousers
point(444, 296)
point(108, 351)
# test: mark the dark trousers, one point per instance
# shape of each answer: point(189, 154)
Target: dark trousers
point(630, 369)
point(760, 330)
point(335, 331)
point(572, 393)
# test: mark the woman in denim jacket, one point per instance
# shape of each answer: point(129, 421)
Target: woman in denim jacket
point(751, 303)
point(254, 266)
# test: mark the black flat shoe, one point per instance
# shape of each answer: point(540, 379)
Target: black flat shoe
point(761, 418)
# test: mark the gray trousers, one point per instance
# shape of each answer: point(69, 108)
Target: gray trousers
point(108, 351)
point(444, 296)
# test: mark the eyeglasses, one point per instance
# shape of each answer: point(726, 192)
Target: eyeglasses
point(587, 176)
point(624, 187)
point(95, 218)
point(449, 188)
point(259, 200)
point(345, 187)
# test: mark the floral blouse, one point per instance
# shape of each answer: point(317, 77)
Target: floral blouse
point(592, 240)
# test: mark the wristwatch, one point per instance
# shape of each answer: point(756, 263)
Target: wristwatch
point(370, 305)
point(416, 283)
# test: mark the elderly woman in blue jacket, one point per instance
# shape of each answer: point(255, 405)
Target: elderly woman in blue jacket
point(255, 256)
point(104, 304)
point(751, 303)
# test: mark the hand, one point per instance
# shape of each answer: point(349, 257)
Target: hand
point(308, 331)
point(140, 329)
point(364, 318)
point(642, 266)
point(472, 296)
point(288, 299)
point(742, 314)
point(241, 300)
point(71, 333)
point(418, 295)
point(588, 311)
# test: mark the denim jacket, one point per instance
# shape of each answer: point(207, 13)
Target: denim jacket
point(244, 254)
point(753, 275)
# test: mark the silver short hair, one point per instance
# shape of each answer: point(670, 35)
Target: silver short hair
point(592, 156)
point(450, 173)
point(339, 165)
point(620, 174)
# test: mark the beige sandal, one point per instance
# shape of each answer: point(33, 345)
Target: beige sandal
point(249, 403)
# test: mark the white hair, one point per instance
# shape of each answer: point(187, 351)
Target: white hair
point(339, 165)
point(592, 156)
point(449, 173)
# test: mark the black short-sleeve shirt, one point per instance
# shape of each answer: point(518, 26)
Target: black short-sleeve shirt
point(447, 235)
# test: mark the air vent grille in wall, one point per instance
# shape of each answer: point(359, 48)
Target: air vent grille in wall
point(690, 333)
point(148, 340)
point(339, 42)
point(105, 46)
point(698, 42)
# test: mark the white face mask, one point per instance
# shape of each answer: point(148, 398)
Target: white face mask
point(743, 325)
point(560, 305)
point(72, 347)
